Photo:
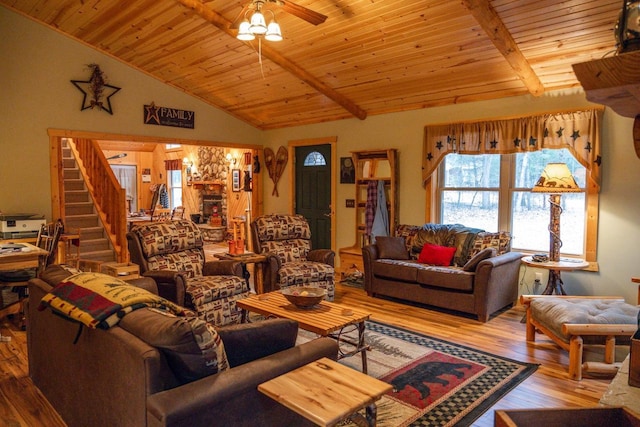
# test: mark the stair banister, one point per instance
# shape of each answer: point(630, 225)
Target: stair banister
point(105, 190)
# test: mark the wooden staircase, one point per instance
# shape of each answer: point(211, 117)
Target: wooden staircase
point(80, 213)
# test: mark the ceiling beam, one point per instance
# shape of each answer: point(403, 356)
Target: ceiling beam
point(225, 25)
point(491, 23)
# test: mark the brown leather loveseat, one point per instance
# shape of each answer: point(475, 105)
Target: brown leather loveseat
point(481, 278)
point(113, 377)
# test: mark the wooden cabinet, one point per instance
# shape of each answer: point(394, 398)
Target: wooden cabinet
point(371, 166)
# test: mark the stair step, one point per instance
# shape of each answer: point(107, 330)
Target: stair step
point(91, 245)
point(78, 208)
point(104, 256)
point(71, 174)
point(91, 233)
point(82, 221)
point(76, 196)
point(74, 185)
point(69, 163)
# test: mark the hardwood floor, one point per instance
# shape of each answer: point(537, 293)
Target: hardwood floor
point(22, 405)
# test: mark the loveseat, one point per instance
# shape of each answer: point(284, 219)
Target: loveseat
point(476, 272)
point(114, 377)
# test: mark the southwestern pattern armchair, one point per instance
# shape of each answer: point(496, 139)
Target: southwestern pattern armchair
point(286, 242)
point(172, 254)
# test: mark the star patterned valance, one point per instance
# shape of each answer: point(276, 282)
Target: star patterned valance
point(577, 131)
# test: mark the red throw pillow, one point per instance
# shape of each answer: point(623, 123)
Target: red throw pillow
point(436, 255)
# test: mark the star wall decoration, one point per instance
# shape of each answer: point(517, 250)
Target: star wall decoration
point(97, 93)
point(439, 145)
point(559, 132)
point(532, 141)
point(575, 135)
point(152, 114)
point(429, 157)
point(516, 142)
point(493, 144)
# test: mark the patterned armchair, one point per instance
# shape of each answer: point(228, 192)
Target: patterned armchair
point(172, 254)
point(286, 242)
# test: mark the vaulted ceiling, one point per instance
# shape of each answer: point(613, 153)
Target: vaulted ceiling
point(369, 57)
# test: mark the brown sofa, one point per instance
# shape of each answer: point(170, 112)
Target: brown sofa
point(482, 277)
point(113, 378)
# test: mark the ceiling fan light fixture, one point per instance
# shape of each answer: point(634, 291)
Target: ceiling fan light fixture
point(244, 32)
point(273, 32)
point(258, 24)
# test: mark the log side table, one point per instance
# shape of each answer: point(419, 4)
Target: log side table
point(249, 258)
point(326, 392)
point(555, 267)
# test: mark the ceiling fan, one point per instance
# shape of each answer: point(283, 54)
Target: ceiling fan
point(294, 9)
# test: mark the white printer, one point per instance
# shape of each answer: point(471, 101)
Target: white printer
point(20, 225)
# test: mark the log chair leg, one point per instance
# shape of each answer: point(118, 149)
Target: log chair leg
point(575, 357)
point(610, 349)
point(531, 330)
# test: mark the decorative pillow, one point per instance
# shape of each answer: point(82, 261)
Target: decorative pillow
point(192, 347)
point(486, 253)
point(391, 247)
point(501, 241)
point(436, 255)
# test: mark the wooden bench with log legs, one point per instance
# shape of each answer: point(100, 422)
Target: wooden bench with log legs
point(561, 318)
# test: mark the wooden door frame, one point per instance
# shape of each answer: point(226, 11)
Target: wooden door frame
point(332, 141)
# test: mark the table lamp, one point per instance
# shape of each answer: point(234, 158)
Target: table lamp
point(555, 179)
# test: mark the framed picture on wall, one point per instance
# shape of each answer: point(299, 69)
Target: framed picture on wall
point(347, 171)
point(235, 180)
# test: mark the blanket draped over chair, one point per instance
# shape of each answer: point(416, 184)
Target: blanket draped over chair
point(99, 301)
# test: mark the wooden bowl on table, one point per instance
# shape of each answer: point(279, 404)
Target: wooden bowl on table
point(304, 296)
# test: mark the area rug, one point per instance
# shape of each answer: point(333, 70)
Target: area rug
point(436, 383)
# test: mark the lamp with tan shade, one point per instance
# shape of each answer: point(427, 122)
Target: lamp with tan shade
point(555, 179)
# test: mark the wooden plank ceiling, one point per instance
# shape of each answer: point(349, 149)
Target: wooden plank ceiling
point(369, 57)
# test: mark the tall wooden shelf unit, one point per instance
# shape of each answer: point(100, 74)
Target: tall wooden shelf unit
point(371, 165)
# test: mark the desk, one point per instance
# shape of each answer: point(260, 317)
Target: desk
point(555, 267)
point(28, 257)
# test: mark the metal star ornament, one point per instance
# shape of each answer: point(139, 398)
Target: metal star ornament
point(97, 93)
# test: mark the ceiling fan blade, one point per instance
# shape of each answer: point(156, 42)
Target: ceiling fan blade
point(302, 12)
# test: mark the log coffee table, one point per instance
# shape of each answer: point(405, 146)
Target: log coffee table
point(326, 392)
point(326, 319)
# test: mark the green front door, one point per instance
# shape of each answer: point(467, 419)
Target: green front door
point(313, 191)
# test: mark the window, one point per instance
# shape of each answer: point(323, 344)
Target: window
point(315, 159)
point(492, 192)
point(172, 146)
point(174, 184)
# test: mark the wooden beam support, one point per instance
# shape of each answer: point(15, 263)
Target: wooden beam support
point(491, 23)
point(225, 25)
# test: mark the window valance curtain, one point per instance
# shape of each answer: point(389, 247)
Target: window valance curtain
point(577, 131)
point(173, 165)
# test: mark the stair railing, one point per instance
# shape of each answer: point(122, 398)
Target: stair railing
point(108, 196)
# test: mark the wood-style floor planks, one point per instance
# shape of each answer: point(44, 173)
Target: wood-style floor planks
point(22, 405)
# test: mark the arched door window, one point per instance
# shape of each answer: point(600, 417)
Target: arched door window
point(315, 159)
